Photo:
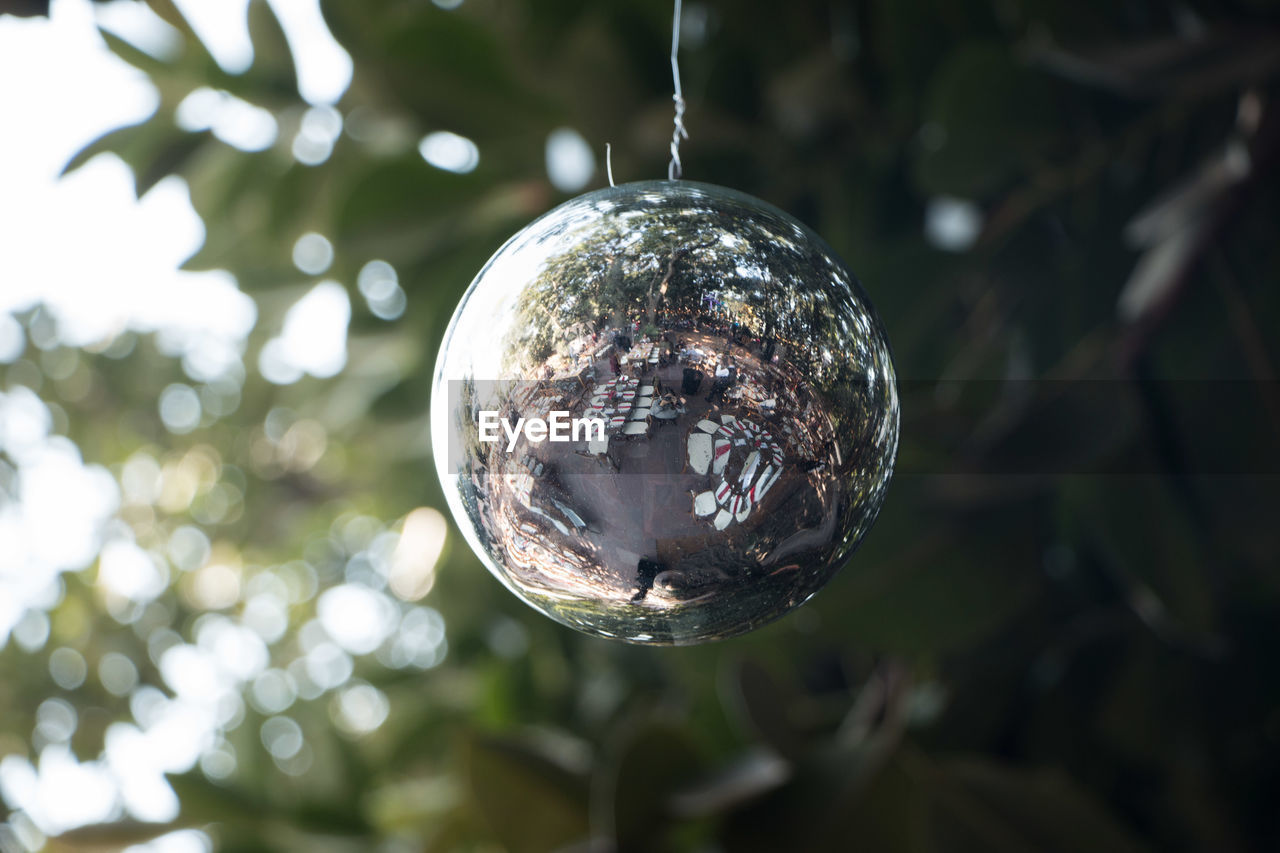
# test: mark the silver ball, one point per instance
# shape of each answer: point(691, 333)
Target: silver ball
point(726, 397)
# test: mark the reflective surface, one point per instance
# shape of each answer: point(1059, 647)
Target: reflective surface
point(749, 403)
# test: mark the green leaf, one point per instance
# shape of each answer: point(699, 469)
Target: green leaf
point(171, 16)
point(766, 706)
point(653, 761)
point(980, 806)
point(154, 149)
point(844, 798)
point(112, 835)
point(204, 801)
point(1148, 539)
point(942, 592)
point(139, 59)
point(273, 63)
point(401, 194)
point(995, 117)
point(529, 801)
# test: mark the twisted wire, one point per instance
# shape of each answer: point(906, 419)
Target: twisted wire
point(674, 169)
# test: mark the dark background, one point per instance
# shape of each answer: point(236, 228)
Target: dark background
point(1062, 632)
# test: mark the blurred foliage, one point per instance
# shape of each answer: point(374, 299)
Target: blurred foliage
point(1061, 634)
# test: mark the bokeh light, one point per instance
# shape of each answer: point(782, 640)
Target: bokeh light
point(570, 163)
point(449, 151)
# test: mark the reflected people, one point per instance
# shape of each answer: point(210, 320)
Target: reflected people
point(726, 399)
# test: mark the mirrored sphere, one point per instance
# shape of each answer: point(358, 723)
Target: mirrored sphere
point(665, 412)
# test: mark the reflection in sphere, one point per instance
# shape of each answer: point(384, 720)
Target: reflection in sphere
point(725, 394)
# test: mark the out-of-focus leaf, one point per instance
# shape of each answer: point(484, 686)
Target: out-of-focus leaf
point(25, 8)
point(1033, 431)
point(139, 59)
point(114, 141)
point(938, 594)
point(752, 775)
point(1150, 541)
point(530, 802)
point(765, 706)
point(978, 806)
point(272, 59)
point(994, 120)
point(444, 64)
point(111, 836)
point(152, 149)
point(171, 16)
point(170, 159)
point(402, 194)
point(653, 761)
point(203, 801)
point(223, 180)
point(1188, 65)
point(1173, 230)
point(844, 798)
point(294, 199)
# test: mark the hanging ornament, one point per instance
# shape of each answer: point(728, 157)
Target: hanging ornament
point(665, 412)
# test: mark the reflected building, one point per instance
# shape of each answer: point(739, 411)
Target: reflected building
point(748, 398)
